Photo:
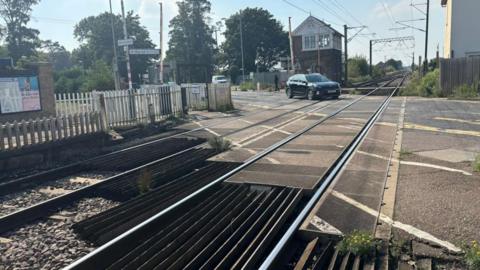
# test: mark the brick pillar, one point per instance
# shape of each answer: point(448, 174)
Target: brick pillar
point(47, 88)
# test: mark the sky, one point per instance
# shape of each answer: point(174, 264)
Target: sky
point(56, 20)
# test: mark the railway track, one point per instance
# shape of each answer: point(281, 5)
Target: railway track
point(220, 225)
point(327, 256)
point(121, 157)
point(120, 185)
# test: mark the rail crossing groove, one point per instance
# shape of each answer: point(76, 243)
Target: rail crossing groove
point(219, 225)
point(122, 160)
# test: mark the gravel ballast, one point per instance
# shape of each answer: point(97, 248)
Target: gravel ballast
point(16, 201)
point(50, 243)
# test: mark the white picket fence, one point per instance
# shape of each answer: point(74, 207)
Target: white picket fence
point(125, 108)
point(88, 113)
point(17, 135)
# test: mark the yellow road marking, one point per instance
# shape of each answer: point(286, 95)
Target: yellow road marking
point(442, 130)
point(476, 122)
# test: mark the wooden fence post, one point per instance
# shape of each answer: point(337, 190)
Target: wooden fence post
point(2, 139)
point(9, 135)
point(24, 132)
point(103, 114)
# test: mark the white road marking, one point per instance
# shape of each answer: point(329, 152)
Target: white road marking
point(277, 130)
point(273, 161)
point(349, 127)
point(419, 164)
point(433, 166)
point(246, 121)
point(388, 124)
point(214, 133)
point(405, 227)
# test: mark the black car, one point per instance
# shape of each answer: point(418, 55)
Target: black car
point(312, 86)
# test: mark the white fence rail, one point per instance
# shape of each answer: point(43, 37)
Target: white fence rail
point(17, 135)
point(125, 107)
point(72, 103)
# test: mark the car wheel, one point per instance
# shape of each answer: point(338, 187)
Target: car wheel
point(289, 93)
point(310, 95)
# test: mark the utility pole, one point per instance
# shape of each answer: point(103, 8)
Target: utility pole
point(420, 65)
point(425, 69)
point(370, 69)
point(413, 61)
point(318, 58)
point(161, 43)
point(291, 43)
point(241, 45)
point(345, 74)
point(127, 52)
point(115, 57)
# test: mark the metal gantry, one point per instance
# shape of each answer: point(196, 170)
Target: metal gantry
point(386, 40)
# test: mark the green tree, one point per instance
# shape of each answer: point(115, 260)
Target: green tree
point(95, 34)
point(21, 40)
point(69, 80)
point(357, 66)
point(396, 65)
point(99, 77)
point(57, 55)
point(192, 46)
point(264, 41)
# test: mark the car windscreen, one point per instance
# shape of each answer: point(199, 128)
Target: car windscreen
point(317, 78)
point(220, 78)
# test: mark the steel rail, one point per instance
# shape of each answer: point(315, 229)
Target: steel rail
point(97, 257)
point(334, 171)
point(24, 181)
point(40, 209)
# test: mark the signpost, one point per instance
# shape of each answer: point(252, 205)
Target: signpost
point(125, 42)
point(144, 51)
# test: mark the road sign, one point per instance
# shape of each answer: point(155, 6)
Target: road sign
point(125, 42)
point(145, 51)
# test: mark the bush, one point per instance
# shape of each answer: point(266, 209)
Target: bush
point(466, 91)
point(476, 164)
point(220, 144)
point(358, 243)
point(378, 72)
point(245, 86)
point(226, 108)
point(428, 86)
point(144, 181)
point(99, 77)
point(359, 79)
point(472, 255)
point(357, 66)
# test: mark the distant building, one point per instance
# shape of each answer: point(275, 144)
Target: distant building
point(462, 34)
point(317, 47)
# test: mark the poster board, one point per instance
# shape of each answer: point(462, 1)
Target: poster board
point(19, 94)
